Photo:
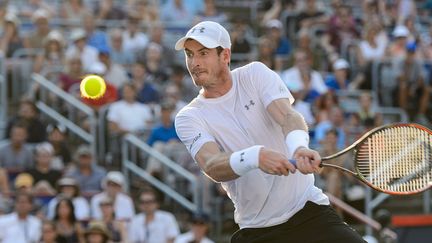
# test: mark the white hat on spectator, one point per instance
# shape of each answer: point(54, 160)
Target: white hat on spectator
point(12, 18)
point(40, 14)
point(98, 68)
point(83, 150)
point(210, 34)
point(44, 147)
point(54, 35)
point(67, 181)
point(401, 31)
point(78, 34)
point(274, 23)
point(340, 64)
point(116, 177)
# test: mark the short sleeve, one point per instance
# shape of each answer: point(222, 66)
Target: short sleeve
point(112, 113)
point(173, 228)
point(268, 83)
point(192, 132)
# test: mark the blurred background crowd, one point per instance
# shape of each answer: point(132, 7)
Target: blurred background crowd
point(351, 65)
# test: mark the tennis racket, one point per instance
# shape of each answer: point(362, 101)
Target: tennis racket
point(394, 159)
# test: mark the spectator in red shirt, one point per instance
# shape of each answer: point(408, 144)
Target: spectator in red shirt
point(110, 93)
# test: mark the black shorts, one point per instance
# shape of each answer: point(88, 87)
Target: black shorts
point(312, 224)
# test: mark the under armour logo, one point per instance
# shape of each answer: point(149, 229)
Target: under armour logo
point(242, 156)
point(201, 30)
point(251, 103)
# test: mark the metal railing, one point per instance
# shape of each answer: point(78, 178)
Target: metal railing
point(3, 106)
point(373, 202)
point(44, 96)
point(21, 64)
point(3, 96)
point(366, 219)
point(132, 146)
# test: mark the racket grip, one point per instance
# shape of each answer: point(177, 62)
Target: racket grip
point(293, 161)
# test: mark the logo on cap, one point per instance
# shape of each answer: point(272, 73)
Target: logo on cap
point(201, 30)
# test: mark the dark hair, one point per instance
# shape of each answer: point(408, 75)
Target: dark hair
point(72, 219)
point(19, 124)
point(130, 85)
point(30, 103)
point(177, 70)
point(51, 127)
point(219, 50)
point(334, 131)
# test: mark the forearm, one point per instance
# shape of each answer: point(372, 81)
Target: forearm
point(288, 118)
point(218, 168)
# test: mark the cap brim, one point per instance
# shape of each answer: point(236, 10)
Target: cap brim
point(203, 40)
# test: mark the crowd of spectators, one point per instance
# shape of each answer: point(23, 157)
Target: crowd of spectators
point(322, 50)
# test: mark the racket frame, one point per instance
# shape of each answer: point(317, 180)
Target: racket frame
point(358, 143)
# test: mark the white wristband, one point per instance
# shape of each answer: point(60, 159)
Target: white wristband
point(296, 139)
point(245, 160)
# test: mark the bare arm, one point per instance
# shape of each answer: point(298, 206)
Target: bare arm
point(216, 164)
point(289, 119)
point(115, 128)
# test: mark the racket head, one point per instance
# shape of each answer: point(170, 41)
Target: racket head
point(395, 158)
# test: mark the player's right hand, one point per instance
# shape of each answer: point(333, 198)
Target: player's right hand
point(274, 163)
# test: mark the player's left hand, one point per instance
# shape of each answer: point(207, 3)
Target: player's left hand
point(308, 160)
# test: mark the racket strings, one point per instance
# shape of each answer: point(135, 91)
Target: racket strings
point(397, 159)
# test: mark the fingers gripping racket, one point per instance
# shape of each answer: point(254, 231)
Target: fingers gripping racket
point(394, 159)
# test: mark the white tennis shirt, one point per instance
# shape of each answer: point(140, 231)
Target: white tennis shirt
point(238, 120)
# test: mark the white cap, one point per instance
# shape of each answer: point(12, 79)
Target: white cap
point(12, 18)
point(116, 177)
point(77, 34)
point(210, 34)
point(274, 23)
point(401, 31)
point(54, 35)
point(98, 68)
point(340, 64)
point(40, 14)
point(44, 147)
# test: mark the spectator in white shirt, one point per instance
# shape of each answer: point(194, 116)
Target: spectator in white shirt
point(113, 185)
point(133, 39)
point(119, 115)
point(88, 54)
point(69, 188)
point(115, 73)
point(304, 82)
point(152, 225)
point(20, 226)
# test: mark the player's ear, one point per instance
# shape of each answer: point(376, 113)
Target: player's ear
point(226, 54)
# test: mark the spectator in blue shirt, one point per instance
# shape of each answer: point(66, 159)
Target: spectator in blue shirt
point(88, 175)
point(95, 37)
point(165, 131)
point(283, 46)
point(164, 139)
point(147, 92)
point(339, 78)
point(281, 43)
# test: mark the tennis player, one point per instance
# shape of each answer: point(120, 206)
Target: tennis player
point(241, 130)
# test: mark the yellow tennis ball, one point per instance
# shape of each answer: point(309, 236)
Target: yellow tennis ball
point(93, 87)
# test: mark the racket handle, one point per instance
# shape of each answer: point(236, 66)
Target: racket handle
point(294, 162)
